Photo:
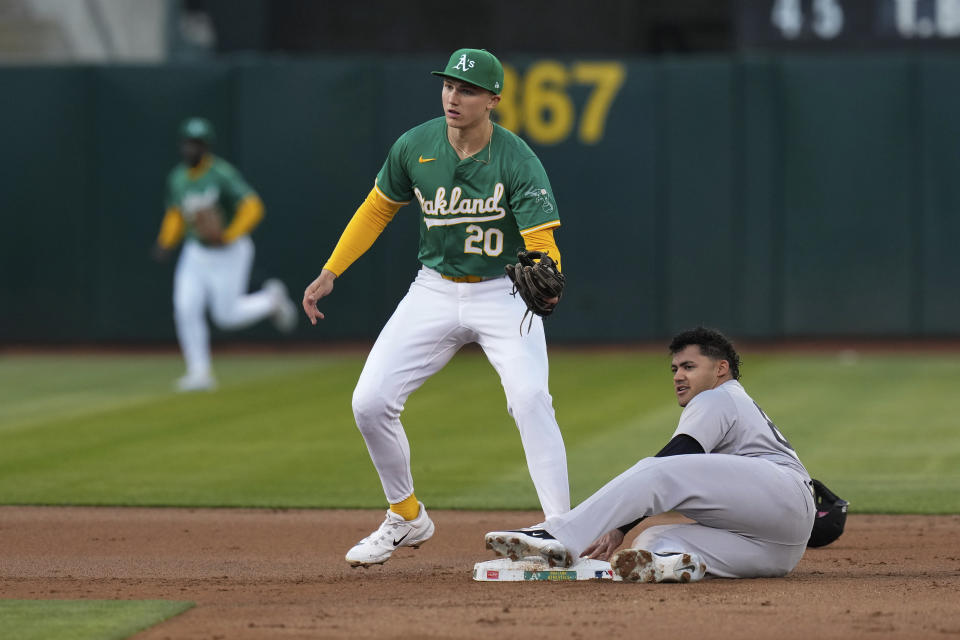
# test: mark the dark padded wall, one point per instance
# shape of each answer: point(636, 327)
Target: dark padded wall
point(771, 197)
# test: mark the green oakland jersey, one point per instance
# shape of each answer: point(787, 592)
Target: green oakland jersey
point(219, 184)
point(473, 210)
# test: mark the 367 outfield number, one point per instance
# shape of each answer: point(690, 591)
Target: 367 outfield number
point(538, 104)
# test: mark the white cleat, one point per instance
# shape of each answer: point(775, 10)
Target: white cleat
point(526, 543)
point(640, 565)
point(285, 314)
point(395, 532)
point(193, 382)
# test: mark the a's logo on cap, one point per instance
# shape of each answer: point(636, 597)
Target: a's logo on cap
point(464, 64)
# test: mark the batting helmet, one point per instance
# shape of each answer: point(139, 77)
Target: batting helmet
point(197, 129)
point(831, 516)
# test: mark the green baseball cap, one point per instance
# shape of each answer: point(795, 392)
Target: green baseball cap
point(197, 129)
point(476, 66)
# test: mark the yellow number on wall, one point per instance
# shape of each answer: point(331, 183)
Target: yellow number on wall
point(547, 109)
point(607, 78)
point(538, 103)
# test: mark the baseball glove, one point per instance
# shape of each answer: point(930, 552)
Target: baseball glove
point(536, 278)
point(208, 225)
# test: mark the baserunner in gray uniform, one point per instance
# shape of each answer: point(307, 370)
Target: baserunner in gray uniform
point(747, 492)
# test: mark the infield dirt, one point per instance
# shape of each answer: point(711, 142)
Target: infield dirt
point(281, 574)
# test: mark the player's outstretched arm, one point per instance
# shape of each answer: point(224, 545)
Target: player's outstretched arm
point(363, 229)
point(604, 546)
point(319, 288)
point(172, 230)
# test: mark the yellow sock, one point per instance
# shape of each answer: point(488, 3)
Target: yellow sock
point(408, 508)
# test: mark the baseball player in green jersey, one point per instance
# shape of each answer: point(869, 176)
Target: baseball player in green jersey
point(214, 267)
point(482, 194)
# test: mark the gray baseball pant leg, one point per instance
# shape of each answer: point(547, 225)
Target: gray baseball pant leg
point(726, 554)
point(752, 498)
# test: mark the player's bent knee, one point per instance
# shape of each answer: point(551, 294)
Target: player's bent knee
point(225, 318)
point(227, 324)
point(790, 559)
point(529, 399)
point(369, 406)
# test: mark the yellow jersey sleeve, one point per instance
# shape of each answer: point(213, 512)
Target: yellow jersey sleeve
point(248, 215)
point(542, 240)
point(369, 221)
point(172, 229)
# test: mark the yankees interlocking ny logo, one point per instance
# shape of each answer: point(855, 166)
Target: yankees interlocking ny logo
point(464, 64)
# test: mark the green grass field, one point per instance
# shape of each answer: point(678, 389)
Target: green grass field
point(82, 619)
point(108, 430)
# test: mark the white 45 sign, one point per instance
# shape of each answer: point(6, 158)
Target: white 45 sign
point(825, 18)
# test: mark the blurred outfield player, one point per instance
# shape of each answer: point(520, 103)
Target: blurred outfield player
point(750, 497)
point(214, 267)
point(482, 195)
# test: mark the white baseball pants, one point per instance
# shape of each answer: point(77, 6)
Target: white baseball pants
point(753, 517)
point(216, 277)
point(430, 324)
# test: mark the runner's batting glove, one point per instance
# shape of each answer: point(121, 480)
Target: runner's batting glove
point(536, 278)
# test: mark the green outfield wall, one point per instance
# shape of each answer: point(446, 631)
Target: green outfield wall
point(771, 197)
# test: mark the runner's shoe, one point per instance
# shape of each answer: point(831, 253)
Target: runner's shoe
point(395, 532)
point(640, 565)
point(285, 314)
point(196, 382)
point(526, 543)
